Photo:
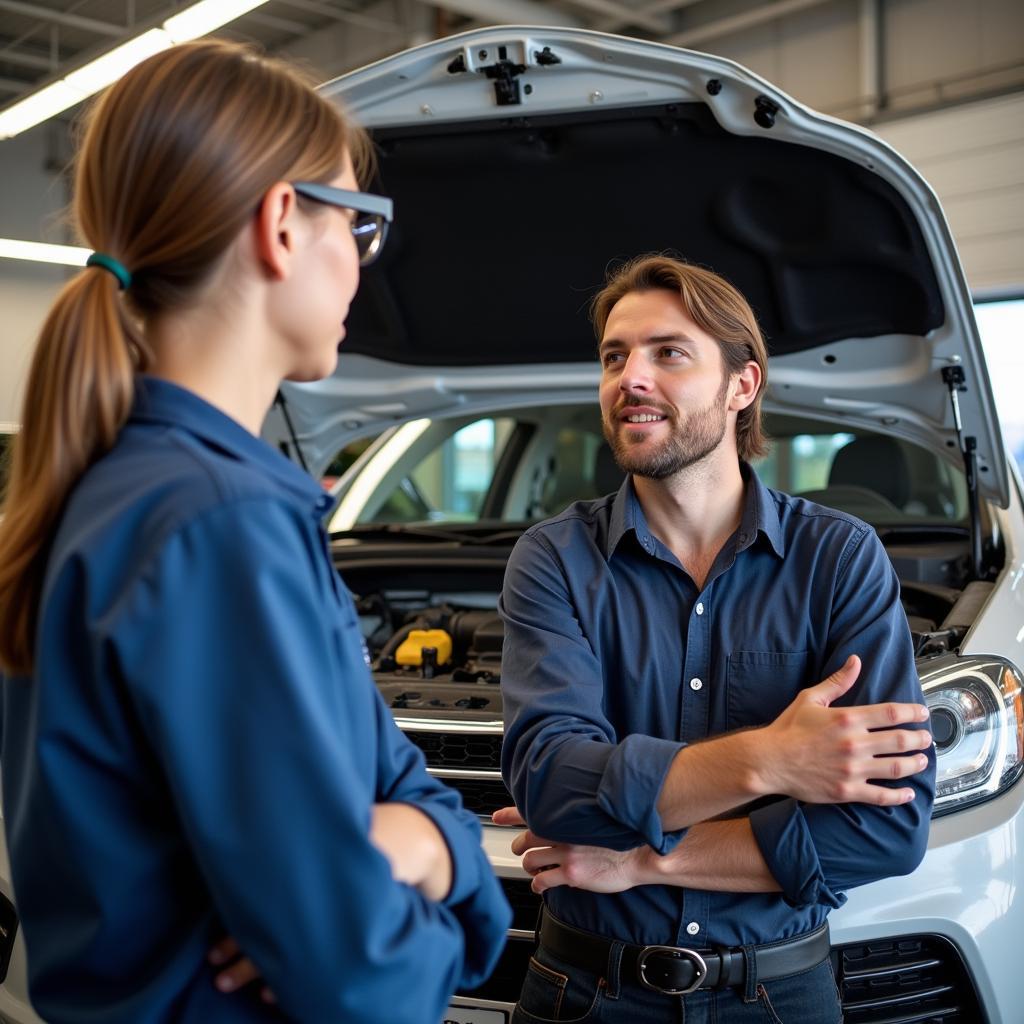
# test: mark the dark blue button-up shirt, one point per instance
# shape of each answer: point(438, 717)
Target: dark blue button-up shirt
point(614, 660)
point(200, 748)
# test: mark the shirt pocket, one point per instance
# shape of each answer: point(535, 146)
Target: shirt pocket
point(761, 684)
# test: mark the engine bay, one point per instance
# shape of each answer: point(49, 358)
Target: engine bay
point(437, 653)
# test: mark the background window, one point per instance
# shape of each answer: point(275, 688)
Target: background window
point(1002, 336)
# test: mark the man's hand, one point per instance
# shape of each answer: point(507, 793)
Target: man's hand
point(583, 867)
point(236, 970)
point(414, 847)
point(820, 754)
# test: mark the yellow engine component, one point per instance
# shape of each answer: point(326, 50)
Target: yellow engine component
point(410, 652)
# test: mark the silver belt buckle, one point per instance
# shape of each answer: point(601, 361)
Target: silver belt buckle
point(678, 953)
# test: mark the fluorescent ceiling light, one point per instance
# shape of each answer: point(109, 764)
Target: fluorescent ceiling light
point(38, 107)
point(191, 23)
point(110, 66)
point(206, 16)
point(40, 252)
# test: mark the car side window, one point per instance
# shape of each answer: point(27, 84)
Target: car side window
point(883, 480)
point(450, 482)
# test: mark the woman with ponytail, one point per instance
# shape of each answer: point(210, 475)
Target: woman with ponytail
point(192, 744)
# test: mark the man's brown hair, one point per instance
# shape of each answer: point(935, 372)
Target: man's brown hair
point(716, 307)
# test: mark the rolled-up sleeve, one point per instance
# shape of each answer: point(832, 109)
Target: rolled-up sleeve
point(817, 851)
point(573, 778)
point(264, 720)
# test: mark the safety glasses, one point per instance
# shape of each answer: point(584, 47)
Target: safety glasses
point(372, 214)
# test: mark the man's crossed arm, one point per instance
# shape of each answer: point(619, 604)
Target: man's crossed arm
point(812, 752)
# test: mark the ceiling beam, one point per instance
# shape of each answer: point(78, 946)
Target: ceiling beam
point(510, 12)
point(295, 28)
point(26, 60)
point(657, 9)
point(623, 14)
point(738, 22)
point(342, 14)
point(47, 14)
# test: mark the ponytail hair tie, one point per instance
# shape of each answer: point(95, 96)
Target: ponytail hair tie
point(99, 259)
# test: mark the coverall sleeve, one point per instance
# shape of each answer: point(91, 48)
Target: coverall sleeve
point(250, 684)
point(817, 851)
point(573, 779)
point(475, 898)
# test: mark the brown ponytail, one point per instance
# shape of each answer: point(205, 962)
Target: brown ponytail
point(174, 160)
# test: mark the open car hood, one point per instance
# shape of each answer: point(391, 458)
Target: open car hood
point(523, 160)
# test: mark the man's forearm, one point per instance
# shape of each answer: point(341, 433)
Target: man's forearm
point(812, 752)
point(708, 779)
point(717, 856)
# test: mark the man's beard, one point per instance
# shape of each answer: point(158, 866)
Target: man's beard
point(690, 439)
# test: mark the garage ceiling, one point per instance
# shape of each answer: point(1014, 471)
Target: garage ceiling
point(44, 39)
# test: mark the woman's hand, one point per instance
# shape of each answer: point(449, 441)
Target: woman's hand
point(418, 855)
point(415, 848)
point(236, 970)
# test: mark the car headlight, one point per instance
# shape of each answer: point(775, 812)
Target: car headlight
point(977, 721)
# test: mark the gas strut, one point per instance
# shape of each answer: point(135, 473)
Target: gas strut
point(955, 380)
point(296, 447)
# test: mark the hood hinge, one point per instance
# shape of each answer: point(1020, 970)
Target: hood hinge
point(955, 379)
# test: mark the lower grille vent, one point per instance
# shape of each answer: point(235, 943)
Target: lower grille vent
point(918, 979)
point(524, 901)
point(481, 796)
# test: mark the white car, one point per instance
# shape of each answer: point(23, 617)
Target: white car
point(522, 161)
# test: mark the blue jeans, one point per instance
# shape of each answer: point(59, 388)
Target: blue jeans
point(558, 991)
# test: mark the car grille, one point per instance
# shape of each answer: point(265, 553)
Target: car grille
point(463, 749)
point(916, 979)
point(468, 760)
point(481, 796)
point(506, 980)
point(524, 902)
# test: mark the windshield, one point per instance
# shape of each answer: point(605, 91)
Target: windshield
point(525, 465)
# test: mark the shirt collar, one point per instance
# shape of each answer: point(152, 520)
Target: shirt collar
point(160, 401)
point(760, 516)
point(760, 513)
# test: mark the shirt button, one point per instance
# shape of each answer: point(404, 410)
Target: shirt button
point(700, 608)
point(695, 684)
point(692, 928)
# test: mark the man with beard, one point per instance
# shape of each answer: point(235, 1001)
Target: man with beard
point(714, 726)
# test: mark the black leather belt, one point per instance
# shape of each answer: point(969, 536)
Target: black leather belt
point(675, 970)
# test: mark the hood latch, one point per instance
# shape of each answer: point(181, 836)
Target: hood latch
point(504, 72)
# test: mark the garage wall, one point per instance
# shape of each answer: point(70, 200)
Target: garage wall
point(973, 156)
point(870, 60)
point(815, 56)
point(34, 210)
point(25, 298)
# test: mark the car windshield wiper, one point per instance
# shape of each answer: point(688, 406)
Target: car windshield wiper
point(392, 531)
point(925, 533)
point(400, 531)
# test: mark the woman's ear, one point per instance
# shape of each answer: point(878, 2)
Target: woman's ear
point(748, 384)
point(276, 230)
